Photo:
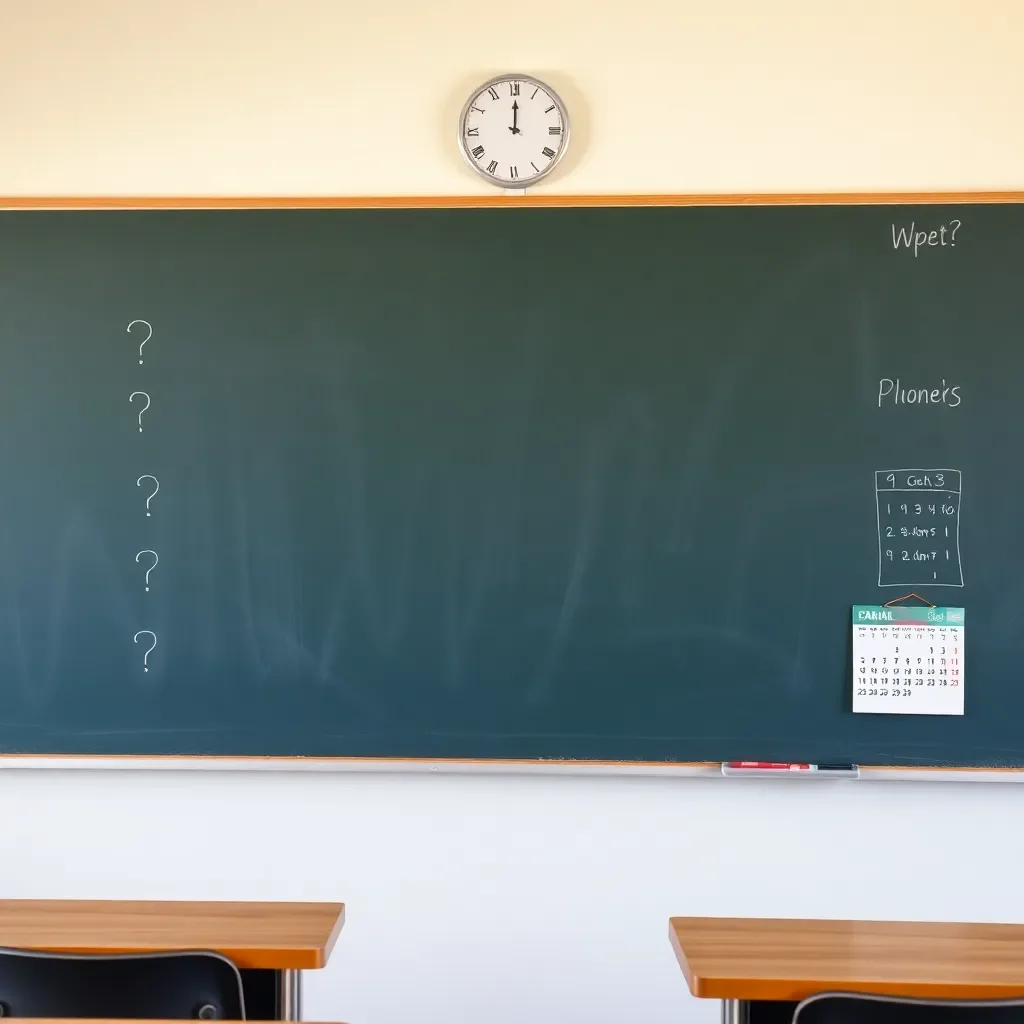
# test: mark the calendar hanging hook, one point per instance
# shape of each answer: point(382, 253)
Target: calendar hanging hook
point(907, 597)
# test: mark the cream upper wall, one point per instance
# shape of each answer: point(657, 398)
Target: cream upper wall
point(313, 96)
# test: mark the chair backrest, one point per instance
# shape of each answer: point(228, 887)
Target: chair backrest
point(863, 1008)
point(181, 985)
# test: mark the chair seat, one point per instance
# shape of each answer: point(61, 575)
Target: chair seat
point(863, 1008)
point(187, 985)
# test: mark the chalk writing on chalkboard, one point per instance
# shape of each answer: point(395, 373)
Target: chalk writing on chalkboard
point(149, 650)
point(147, 556)
point(893, 392)
point(144, 323)
point(918, 512)
point(156, 559)
point(915, 238)
point(141, 394)
point(155, 485)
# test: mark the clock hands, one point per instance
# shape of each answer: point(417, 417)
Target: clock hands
point(514, 128)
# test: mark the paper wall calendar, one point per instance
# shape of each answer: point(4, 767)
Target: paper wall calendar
point(908, 661)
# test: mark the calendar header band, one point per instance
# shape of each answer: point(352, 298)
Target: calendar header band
point(876, 614)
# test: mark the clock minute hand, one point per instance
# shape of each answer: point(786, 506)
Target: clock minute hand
point(515, 118)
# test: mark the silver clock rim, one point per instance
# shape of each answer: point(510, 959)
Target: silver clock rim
point(540, 175)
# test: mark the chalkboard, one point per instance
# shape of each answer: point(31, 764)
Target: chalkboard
point(541, 483)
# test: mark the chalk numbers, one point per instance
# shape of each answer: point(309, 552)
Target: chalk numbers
point(909, 666)
point(918, 512)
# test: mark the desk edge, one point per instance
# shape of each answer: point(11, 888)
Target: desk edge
point(328, 946)
point(692, 982)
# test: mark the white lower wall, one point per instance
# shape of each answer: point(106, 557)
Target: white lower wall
point(505, 899)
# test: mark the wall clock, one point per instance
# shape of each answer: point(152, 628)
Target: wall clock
point(513, 130)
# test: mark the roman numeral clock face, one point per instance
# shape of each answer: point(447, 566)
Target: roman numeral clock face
point(513, 130)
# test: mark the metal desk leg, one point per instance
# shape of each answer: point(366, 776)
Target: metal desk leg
point(290, 996)
point(735, 1011)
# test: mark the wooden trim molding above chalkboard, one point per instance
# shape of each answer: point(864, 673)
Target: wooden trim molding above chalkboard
point(448, 202)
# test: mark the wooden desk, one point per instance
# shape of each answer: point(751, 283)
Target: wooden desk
point(760, 968)
point(281, 938)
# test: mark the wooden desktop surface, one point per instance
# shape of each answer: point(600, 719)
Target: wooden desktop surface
point(751, 959)
point(280, 936)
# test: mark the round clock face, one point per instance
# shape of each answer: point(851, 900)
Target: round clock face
point(513, 130)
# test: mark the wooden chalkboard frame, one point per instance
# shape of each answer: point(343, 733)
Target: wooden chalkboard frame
point(707, 769)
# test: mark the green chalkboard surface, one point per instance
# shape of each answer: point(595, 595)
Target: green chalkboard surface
point(567, 483)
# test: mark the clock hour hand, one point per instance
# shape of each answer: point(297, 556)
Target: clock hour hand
point(514, 129)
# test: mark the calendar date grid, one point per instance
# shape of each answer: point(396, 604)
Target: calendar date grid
point(930, 657)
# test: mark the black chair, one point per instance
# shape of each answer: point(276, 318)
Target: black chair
point(859, 1008)
point(184, 986)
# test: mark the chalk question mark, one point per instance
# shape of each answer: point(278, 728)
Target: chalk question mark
point(156, 559)
point(145, 323)
point(145, 657)
point(144, 408)
point(156, 487)
point(952, 237)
